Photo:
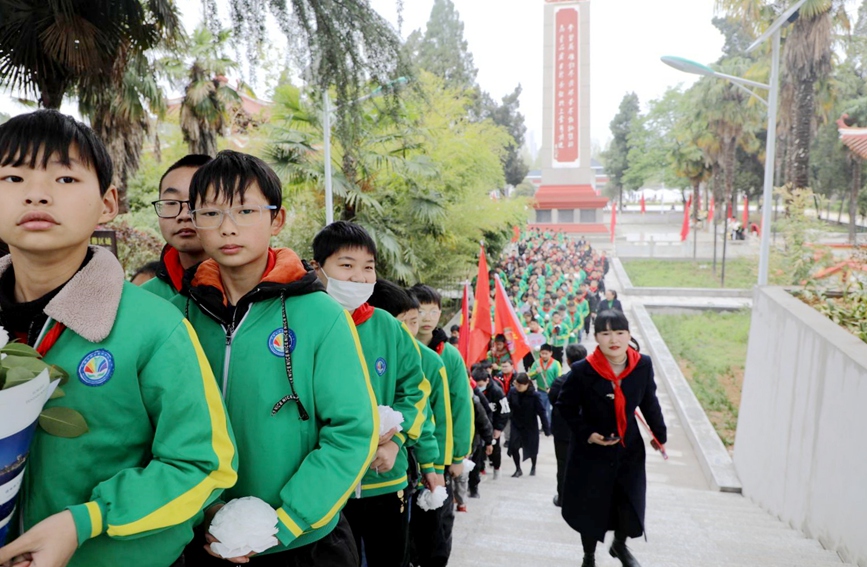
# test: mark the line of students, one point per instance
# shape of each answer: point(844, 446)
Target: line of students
point(260, 376)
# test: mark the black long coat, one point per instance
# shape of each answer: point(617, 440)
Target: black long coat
point(525, 408)
point(604, 487)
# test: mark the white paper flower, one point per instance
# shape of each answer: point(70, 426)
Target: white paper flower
point(389, 419)
point(428, 500)
point(468, 466)
point(242, 526)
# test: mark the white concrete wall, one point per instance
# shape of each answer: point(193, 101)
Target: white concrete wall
point(800, 450)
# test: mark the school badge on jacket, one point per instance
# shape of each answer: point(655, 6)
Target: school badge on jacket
point(275, 342)
point(96, 368)
point(381, 366)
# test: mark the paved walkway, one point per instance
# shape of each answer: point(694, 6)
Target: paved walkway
point(515, 523)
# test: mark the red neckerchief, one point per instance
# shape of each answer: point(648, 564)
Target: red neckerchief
point(50, 339)
point(362, 314)
point(172, 262)
point(601, 365)
point(441, 347)
point(542, 364)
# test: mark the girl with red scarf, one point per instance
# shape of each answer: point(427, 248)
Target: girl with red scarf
point(605, 482)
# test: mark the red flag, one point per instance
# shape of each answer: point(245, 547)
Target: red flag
point(643, 206)
point(464, 339)
point(506, 322)
point(684, 230)
point(482, 329)
point(516, 236)
point(729, 213)
point(710, 210)
point(613, 219)
point(746, 222)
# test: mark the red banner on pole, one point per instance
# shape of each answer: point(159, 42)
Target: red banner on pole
point(710, 210)
point(482, 329)
point(464, 339)
point(684, 229)
point(507, 322)
point(746, 222)
point(613, 219)
point(643, 206)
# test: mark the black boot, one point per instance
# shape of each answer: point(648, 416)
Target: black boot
point(517, 473)
point(589, 560)
point(533, 470)
point(619, 550)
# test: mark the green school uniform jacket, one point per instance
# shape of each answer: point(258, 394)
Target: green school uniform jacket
point(561, 338)
point(305, 468)
point(543, 374)
point(439, 410)
point(461, 394)
point(159, 447)
point(575, 321)
point(394, 366)
point(169, 279)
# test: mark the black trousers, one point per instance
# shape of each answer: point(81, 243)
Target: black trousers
point(431, 532)
point(561, 450)
point(382, 524)
point(477, 457)
point(337, 549)
point(497, 455)
point(558, 354)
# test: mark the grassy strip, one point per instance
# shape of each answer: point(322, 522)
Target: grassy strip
point(711, 349)
point(740, 273)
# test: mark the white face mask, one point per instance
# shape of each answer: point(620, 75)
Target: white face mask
point(350, 295)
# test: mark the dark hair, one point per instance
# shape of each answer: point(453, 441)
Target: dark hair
point(507, 361)
point(501, 338)
point(191, 160)
point(22, 137)
point(522, 378)
point(610, 320)
point(614, 293)
point(230, 175)
point(454, 340)
point(148, 269)
point(455, 328)
point(480, 374)
point(390, 297)
point(575, 352)
point(547, 347)
point(339, 235)
point(426, 294)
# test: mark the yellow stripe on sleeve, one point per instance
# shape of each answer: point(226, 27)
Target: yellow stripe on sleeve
point(191, 502)
point(289, 523)
point(374, 440)
point(95, 518)
point(450, 426)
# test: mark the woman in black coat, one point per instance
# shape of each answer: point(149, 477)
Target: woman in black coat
point(610, 302)
point(605, 481)
point(525, 406)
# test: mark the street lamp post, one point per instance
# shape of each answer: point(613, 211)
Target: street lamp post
point(773, 33)
point(327, 109)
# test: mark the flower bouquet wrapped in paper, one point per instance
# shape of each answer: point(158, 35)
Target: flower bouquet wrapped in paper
point(389, 419)
point(26, 384)
point(244, 525)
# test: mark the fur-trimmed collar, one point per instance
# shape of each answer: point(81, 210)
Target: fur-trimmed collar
point(88, 303)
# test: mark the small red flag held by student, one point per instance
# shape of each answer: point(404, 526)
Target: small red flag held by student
point(481, 327)
point(506, 322)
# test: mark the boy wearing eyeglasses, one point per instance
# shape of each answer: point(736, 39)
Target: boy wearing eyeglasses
point(289, 365)
point(183, 249)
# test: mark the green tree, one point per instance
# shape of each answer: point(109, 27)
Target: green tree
point(617, 154)
point(508, 116)
point(442, 49)
point(48, 49)
point(653, 146)
point(204, 112)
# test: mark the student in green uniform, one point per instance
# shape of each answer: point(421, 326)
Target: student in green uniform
point(432, 531)
point(159, 446)
point(395, 300)
point(345, 260)
point(183, 249)
point(290, 367)
point(575, 320)
point(544, 371)
point(558, 331)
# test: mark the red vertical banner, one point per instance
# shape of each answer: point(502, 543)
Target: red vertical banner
point(643, 205)
point(746, 223)
point(710, 210)
point(613, 218)
point(684, 229)
point(464, 339)
point(567, 83)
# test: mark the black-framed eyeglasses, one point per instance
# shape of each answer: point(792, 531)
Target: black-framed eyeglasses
point(169, 208)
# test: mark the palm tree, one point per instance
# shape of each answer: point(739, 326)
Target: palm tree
point(48, 49)
point(208, 98)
